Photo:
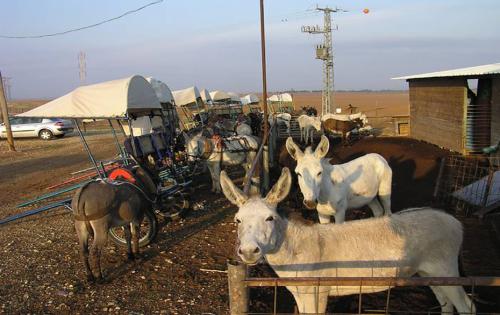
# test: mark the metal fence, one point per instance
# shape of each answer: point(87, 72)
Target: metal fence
point(469, 183)
point(239, 285)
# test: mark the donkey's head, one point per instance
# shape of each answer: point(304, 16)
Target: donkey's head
point(194, 146)
point(309, 169)
point(259, 224)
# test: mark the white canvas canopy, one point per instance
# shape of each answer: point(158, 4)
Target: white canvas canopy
point(162, 91)
point(186, 96)
point(205, 96)
point(234, 97)
point(249, 99)
point(112, 99)
point(284, 97)
point(218, 96)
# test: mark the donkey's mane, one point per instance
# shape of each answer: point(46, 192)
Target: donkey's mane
point(294, 216)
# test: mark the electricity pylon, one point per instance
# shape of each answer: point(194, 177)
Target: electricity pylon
point(325, 52)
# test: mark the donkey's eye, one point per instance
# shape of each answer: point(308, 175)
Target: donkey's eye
point(319, 174)
point(270, 218)
point(238, 221)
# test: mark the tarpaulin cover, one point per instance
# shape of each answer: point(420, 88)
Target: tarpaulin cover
point(186, 96)
point(112, 99)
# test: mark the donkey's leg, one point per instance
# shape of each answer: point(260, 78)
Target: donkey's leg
point(455, 294)
point(340, 216)
point(384, 192)
point(100, 237)
point(311, 302)
point(83, 240)
point(135, 230)
point(215, 168)
point(446, 304)
point(376, 207)
point(212, 169)
point(128, 239)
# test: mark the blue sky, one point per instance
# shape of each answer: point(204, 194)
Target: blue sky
point(216, 44)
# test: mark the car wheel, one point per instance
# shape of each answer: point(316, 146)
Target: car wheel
point(45, 134)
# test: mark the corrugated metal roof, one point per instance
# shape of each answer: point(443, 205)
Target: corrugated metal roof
point(493, 68)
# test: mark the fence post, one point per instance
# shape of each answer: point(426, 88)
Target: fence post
point(238, 292)
point(265, 162)
point(5, 116)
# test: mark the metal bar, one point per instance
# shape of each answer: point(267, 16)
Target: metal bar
point(52, 194)
point(86, 146)
point(132, 139)
point(373, 281)
point(74, 179)
point(35, 211)
point(117, 142)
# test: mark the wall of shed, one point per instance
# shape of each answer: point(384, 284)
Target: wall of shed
point(495, 111)
point(437, 111)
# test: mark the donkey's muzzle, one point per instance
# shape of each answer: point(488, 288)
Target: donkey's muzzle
point(310, 204)
point(250, 254)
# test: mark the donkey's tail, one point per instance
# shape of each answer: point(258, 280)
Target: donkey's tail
point(75, 202)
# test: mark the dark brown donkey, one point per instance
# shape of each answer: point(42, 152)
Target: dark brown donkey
point(101, 205)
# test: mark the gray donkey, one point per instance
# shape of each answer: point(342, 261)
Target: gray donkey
point(101, 205)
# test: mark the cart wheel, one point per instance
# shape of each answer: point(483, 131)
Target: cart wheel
point(174, 206)
point(148, 231)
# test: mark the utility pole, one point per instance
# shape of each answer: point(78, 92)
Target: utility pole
point(82, 67)
point(325, 52)
point(265, 143)
point(5, 116)
point(7, 85)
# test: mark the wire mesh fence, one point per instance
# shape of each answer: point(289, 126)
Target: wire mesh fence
point(387, 284)
point(469, 183)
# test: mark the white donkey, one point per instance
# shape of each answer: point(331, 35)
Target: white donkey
point(281, 118)
point(417, 241)
point(332, 189)
point(236, 150)
point(306, 123)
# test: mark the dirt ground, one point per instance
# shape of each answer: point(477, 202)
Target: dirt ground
point(183, 271)
point(371, 103)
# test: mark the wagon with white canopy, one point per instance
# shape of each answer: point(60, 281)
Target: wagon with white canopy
point(282, 103)
point(139, 106)
point(190, 107)
point(226, 104)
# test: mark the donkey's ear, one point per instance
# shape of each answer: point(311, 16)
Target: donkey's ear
point(281, 189)
point(293, 149)
point(232, 193)
point(322, 148)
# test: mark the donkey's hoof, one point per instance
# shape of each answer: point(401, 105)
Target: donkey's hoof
point(90, 279)
point(101, 280)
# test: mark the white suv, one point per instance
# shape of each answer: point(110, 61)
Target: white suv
point(44, 128)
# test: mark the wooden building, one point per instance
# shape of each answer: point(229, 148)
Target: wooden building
point(445, 111)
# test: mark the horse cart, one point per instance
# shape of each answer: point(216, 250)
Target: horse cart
point(149, 124)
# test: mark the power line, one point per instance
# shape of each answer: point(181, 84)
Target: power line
point(83, 27)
